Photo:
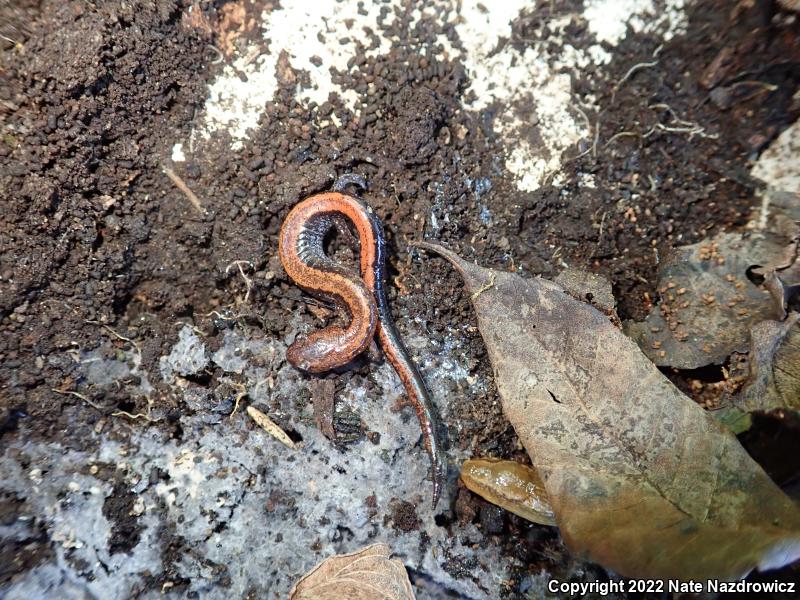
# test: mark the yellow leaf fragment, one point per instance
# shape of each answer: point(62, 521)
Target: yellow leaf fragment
point(511, 485)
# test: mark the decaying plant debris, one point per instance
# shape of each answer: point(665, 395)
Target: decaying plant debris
point(367, 574)
point(708, 303)
point(774, 367)
point(627, 460)
point(512, 485)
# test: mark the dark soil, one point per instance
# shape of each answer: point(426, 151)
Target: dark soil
point(94, 235)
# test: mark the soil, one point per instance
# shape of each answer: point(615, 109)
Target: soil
point(96, 241)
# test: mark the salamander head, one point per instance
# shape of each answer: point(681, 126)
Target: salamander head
point(321, 351)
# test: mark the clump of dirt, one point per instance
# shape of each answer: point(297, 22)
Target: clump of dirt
point(119, 509)
point(403, 515)
point(22, 552)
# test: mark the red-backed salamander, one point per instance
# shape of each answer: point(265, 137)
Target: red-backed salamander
point(303, 256)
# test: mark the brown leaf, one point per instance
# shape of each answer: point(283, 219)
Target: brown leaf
point(774, 367)
point(589, 287)
point(640, 478)
point(367, 574)
point(784, 286)
point(707, 303)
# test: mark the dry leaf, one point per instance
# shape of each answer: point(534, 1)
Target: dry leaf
point(640, 478)
point(511, 485)
point(785, 288)
point(774, 367)
point(588, 287)
point(707, 303)
point(368, 574)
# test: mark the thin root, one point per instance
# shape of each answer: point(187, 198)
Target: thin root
point(219, 315)
point(81, 396)
point(103, 409)
point(220, 56)
point(595, 137)
point(241, 393)
point(115, 334)
point(146, 416)
point(619, 135)
point(17, 45)
point(629, 74)
point(124, 413)
point(767, 87)
point(248, 282)
point(601, 229)
point(683, 126)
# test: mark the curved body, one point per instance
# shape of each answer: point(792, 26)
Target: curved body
point(301, 248)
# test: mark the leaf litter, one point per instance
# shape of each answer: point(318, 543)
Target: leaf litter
point(640, 478)
point(774, 382)
point(367, 574)
point(708, 302)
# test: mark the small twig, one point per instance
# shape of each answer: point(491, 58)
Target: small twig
point(179, 183)
point(270, 427)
